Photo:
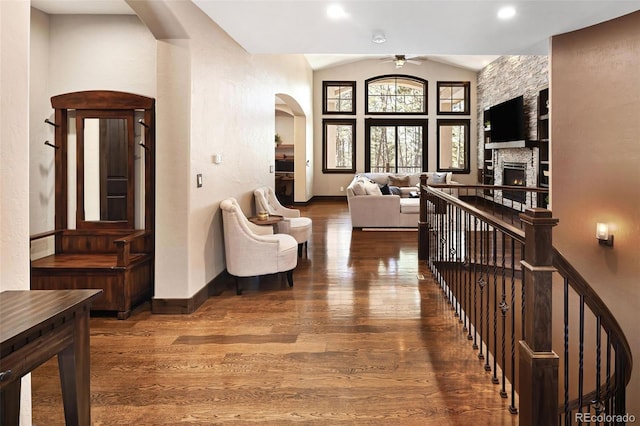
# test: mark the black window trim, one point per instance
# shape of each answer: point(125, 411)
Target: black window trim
point(467, 154)
point(369, 122)
point(328, 121)
point(467, 95)
point(330, 83)
point(396, 76)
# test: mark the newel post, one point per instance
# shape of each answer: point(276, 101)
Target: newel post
point(538, 376)
point(423, 226)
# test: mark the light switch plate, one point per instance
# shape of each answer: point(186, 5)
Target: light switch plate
point(199, 180)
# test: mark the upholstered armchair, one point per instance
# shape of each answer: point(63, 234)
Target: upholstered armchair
point(254, 250)
point(293, 224)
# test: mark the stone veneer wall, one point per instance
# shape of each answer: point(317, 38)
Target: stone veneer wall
point(505, 78)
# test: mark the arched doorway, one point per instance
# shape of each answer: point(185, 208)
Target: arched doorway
point(292, 166)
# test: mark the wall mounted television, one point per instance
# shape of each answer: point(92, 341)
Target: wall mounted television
point(508, 121)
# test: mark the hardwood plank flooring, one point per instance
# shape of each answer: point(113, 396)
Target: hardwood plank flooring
point(358, 340)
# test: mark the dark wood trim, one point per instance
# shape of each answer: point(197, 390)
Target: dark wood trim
point(101, 99)
point(188, 306)
point(321, 198)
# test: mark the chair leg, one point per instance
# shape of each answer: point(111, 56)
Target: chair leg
point(238, 289)
point(300, 249)
point(290, 277)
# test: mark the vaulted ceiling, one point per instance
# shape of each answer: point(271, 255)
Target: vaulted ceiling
point(467, 33)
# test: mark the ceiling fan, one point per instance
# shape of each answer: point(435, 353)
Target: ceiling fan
point(400, 60)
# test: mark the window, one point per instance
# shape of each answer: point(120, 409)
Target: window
point(396, 94)
point(453, 146)
point(339, 146)
point(453, 97)
point(338, 97)
point(398, 146)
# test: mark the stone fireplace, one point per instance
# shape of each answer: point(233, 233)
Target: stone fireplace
point(515, 167)
point(514, 174)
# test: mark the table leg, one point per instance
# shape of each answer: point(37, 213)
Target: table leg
point(10, 404)
point(74, 366)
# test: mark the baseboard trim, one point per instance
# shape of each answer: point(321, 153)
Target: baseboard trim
point(188, 306)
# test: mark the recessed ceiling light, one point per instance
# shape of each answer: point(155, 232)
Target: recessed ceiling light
point(335, 11)
point(507, 12)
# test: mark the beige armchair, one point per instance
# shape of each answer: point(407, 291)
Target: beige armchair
point(293, 224)
point(253, 250)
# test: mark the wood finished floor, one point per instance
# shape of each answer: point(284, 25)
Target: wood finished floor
point(358, 340)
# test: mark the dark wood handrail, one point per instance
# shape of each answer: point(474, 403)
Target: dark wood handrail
point(443, 204)
point(510, 230)
point(597, 306)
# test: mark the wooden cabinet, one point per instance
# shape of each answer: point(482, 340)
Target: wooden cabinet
point(543, 141)
point(284, 167)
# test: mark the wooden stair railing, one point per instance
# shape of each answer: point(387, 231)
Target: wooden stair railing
point(502, 283)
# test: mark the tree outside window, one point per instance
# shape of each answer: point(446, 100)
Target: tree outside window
point(397, 146)
point(453, 145)
point(396, 94)
point(338, 146)
point(338, 97)
point(453, 97)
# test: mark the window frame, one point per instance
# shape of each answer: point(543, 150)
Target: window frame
point(467, 143)
point(466, 85)
point(425, 84)
point(325, 100)
point(338, 121)
point(397, 122)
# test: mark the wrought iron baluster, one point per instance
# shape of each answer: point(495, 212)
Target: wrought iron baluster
point(512, 406)
point(581, 356)
point(567, 412)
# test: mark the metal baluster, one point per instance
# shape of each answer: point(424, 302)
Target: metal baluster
point(482, 283)
point(487, 367)
point(596, 402)
point(581, 355)
point(608, 371)
point(512, 406)
point(469, 278)
point(475, 287)
point(503, 308)
point(567, 412)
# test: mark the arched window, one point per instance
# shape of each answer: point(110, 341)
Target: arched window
point(396, 94)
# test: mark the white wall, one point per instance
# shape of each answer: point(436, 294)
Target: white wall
point(232, 95)
point(212, 97)
point(329, 184)
point(14, 158)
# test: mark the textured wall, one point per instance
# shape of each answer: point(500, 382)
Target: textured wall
point(595, 134)
point(508, 77)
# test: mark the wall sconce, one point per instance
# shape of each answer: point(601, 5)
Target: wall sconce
point(603, 235)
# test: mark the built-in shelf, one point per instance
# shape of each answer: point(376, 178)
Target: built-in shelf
point(543, 145)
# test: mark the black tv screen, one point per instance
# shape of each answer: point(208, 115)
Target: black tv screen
point(508, 121)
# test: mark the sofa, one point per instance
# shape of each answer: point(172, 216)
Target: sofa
point(388, 200)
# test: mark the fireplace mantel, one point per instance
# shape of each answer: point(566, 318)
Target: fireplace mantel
point(512, 144)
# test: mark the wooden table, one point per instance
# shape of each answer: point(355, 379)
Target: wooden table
point(35, 325)
point(270, 220)
point(276, 221)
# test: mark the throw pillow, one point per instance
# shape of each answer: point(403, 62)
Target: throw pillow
point(358, 188)
point(438, 178)
point(395, 190)
point(372, 188)
point(399, 180)
point(385, 189)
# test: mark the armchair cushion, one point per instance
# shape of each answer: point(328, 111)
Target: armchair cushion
point(250, 254)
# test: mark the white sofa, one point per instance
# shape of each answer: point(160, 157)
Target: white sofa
point(370, 208)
